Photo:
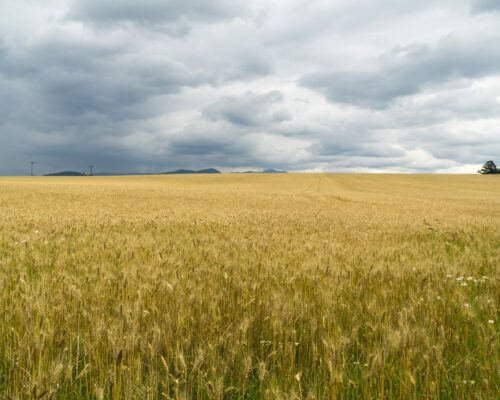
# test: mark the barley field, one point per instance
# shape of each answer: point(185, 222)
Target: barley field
point(250, 286)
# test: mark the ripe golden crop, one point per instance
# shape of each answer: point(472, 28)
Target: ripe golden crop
point(235, 286)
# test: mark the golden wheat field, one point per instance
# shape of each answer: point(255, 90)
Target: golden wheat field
point(250, 286)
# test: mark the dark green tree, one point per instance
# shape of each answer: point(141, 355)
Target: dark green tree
point(489, 167)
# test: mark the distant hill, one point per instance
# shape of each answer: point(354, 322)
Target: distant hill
point(66, 173)
point(121, 173)
point(266, 171)
point(190, 171)
point(176, 172)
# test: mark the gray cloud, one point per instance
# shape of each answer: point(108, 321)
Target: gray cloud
point(156, 85)
point(250, 109)
point(63, 82)
point(485, 5)
point(75, 75)
point(156, 11)
point(211, 147)
point(408, 70)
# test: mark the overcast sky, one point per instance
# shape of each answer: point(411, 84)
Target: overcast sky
point(305, 85)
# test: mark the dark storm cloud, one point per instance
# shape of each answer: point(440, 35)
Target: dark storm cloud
point(250, 109)
point(72, 78)
point(201, 151)
point(205, 145)
point(225, 134)
point(64, 89)
point(77, 89)
point(408, 70)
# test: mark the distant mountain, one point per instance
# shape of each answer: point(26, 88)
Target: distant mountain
point(66, 173)
point(208, 171)
point(176, 172)
point(121, 173)
point(266, 171)
point(190, 171)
